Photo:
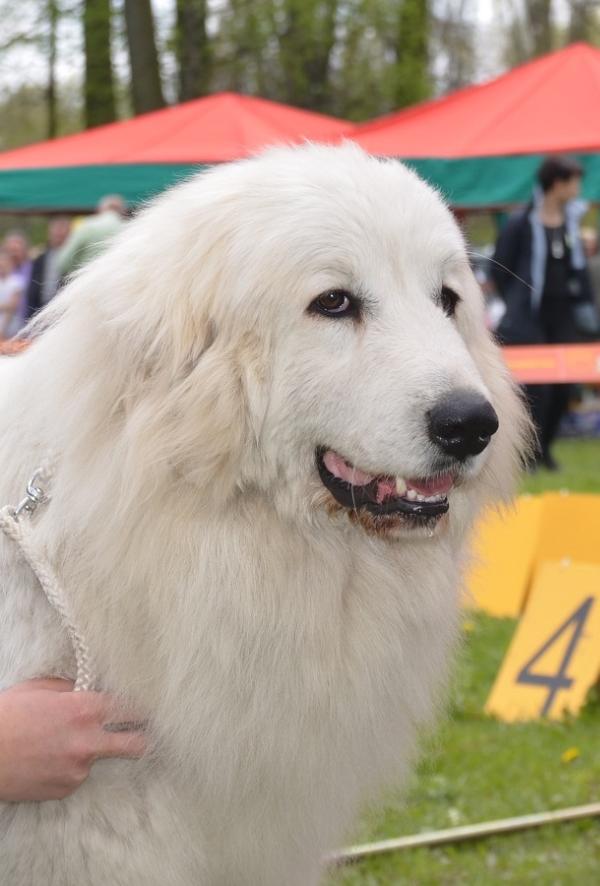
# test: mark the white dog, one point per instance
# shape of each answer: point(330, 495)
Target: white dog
point(269, 404)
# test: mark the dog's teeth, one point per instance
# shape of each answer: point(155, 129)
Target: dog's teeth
point(413, 495)
point(400, 486)
point(437, 497)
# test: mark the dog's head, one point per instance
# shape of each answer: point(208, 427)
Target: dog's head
point(305, 326)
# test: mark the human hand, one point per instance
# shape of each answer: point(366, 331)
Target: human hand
point(50, 736)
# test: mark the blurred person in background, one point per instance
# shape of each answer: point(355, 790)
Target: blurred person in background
point(540, 271)
point(45, 274)
point(591, 244)
point(11, 294)
point(90, 236)
point(16, 245)
point(494, 306)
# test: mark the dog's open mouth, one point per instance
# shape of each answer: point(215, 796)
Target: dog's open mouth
point(423, 500)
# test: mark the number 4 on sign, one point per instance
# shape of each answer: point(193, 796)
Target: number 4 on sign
point(554, 657)
point(559, 680)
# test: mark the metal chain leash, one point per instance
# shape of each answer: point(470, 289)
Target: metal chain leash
point(15, 523)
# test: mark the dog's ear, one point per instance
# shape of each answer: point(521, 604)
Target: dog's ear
point(219, 410)
point(195, 423)
point(254, 370)
point(177, 377)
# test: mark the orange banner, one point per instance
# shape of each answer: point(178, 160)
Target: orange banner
point(543, 364)
point(530, 364)
point(11, 346)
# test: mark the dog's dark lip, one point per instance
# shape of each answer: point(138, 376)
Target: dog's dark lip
point(365, 497)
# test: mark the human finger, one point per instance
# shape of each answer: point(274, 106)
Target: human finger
point(107, 711)
point(121, 744)
point(52, 684)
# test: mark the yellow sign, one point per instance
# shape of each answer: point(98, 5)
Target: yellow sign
point(569, 528)
point(504, 550)
point(554, 657)
point(508, 546)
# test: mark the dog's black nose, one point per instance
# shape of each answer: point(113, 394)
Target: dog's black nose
point(461, 423)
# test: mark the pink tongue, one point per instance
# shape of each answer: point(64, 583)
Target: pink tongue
point(386, 486)
point(336, 465)
point(433, 486)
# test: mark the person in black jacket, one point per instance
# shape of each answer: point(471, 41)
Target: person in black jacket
point(45, 273)
point(540, 271)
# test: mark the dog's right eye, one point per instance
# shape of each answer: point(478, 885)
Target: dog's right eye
point(334, 303)
point(449, 301)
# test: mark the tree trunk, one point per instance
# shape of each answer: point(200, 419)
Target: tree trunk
point(52, 13)
point(583, 24)
point(306, 41)
point(454, 35)
point(412, 83)
point(99, 92)
point(146, 88)
point(539, 24)
point(193, 49)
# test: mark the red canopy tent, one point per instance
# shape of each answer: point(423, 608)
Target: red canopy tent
point(141, 156)
point(482, 144)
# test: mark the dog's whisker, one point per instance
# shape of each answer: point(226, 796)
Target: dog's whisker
point(501, 266)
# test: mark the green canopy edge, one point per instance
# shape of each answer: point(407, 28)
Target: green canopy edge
point(494, 182)
point(471, 183)
point(79, 188)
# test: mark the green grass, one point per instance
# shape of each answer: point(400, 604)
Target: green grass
point(580, 468)
point(477, 769)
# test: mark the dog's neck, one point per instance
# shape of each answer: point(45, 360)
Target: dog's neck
point(193, 605)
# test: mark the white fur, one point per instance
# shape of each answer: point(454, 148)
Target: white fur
point(286, 659)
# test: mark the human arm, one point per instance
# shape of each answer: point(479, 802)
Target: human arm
point(8, 309)
point(586, 286)
point(504, 262)
point(33, 299)
point(72, 253)
point(50, 736)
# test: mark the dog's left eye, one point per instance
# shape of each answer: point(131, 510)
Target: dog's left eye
point(448, 300)
point(334, 303)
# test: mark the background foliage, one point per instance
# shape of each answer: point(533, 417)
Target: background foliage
point(67, 64)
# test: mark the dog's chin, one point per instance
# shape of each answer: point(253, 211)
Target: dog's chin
point(383, 505)
point(394, 528)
